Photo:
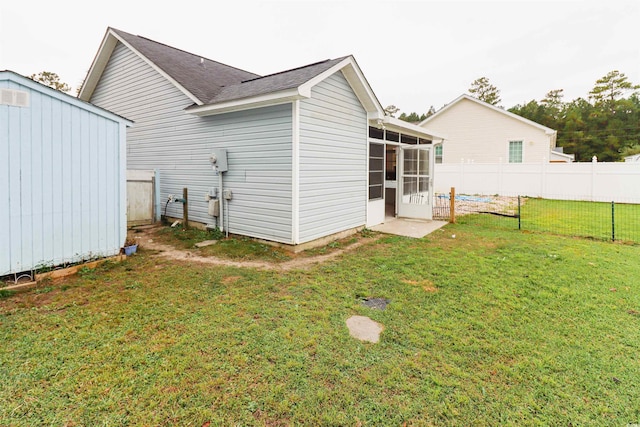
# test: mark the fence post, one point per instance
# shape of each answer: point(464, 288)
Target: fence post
point(594, 162)
point(613, 221)
point(519, 214)
point(185, 209)
point(543, 177)
point(452, 205)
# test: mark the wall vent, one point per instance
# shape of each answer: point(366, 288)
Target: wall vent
point(16, 98)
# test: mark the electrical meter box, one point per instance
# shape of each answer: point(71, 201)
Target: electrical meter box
point(214, 207)
point(218, 159)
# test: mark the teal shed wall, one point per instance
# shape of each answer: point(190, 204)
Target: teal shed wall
point(62, 177)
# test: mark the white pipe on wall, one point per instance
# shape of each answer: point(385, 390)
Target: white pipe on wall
point(221, 198)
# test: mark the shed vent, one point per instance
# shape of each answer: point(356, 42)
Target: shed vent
point(16, 98)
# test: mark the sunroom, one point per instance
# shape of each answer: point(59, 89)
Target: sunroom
point(401, 165)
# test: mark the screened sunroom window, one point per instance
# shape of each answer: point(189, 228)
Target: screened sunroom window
point(376, 170)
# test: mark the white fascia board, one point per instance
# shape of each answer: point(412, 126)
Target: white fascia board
point(305, 88)
point(378, 115)
point(352, 72)
point(282, 97)
point(109, 43)
point(412, 129)
point(97, 66)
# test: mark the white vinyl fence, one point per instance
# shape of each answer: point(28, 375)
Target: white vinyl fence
point(141, 197)
point(603, 182)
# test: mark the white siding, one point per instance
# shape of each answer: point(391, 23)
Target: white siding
point(477, 134)
point(63, 178)
point(178, 144)
point(333, 160)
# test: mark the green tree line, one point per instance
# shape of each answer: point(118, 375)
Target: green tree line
point(606, 125)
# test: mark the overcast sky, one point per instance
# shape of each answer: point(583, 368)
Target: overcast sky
point(414, 54)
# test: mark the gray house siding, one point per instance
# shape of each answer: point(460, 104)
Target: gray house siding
point(333, 160)
point(164, 137)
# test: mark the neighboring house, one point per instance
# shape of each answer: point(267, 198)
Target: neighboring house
point(478, 132)
point(62, 178)
point(298, 155)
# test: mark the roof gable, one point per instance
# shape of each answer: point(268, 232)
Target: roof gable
point(199, 78)
point(215, 88)
point(488, 106)
point(289, 85)
point(284, 80)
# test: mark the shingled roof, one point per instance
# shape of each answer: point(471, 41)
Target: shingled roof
point(216, 88)
point(284, 80)
point(202, 77)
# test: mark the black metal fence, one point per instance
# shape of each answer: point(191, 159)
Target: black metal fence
point(613, 221)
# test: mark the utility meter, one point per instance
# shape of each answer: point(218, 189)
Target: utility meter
point(218, 159)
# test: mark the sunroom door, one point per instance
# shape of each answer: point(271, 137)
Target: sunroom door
point(414, 193)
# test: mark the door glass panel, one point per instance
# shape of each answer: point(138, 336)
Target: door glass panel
point(415, 185)
point(424, 163)
point(415, 197)
point(410, 185)
point(410, 162)
point(424, 184)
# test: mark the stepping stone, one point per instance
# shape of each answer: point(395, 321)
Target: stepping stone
point(364, 329)
point(206, 243)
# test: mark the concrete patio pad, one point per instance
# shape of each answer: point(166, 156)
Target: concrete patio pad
point(408, 227)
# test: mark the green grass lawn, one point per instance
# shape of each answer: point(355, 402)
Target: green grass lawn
point(588, 219)
point(569, 218)
point(492, 327)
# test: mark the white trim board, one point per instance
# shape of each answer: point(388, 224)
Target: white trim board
point(102, 58)
point(295, 172)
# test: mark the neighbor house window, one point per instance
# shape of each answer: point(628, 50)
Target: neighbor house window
point(376, 170)
point(515, 151)
point(438, 153)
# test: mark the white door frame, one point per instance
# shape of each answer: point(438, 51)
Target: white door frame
point(418, 201)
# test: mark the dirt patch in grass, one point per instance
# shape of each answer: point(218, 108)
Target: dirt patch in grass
point(426, 285)
point(230, 279)
point(48, 294)
point(265, 257)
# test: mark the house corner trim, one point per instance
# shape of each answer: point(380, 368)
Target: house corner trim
point(295, 172)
